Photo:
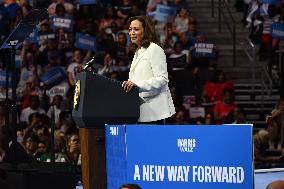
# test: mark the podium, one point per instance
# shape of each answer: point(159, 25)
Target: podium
point(98, 101)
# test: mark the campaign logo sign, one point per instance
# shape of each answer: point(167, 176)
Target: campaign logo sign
point(277, 30)
point(186, 145)
point(178, 157)
point(84, 41)
point(44, 37)
point(62, 22)
point(163, 12)
point(204, 50)
point(53, 77)
point(269, 1)
point(88, 2)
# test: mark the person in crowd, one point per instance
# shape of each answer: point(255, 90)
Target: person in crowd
point(278, 184)
point(178, 52)
point(209, 119)
point(124, 10)
point(77, 65)
point(261, 149)
point(73, 154)
point(108, 66)
point(181, 21)
point(30, 145)
point(55, 108)
point(181, 117)
point(130, 186)
point(213, 89)
point(67, 6)
point(122, 50)
point(148, 72)
point(275, 122)
point(222, 109)
point(34, 106)
point(108, 18)
point(202, 60)
point(41, 150)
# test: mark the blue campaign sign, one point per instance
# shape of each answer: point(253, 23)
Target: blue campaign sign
point(163, 12)
point(269, 1)
point(62, 22)
point(88, 2)
point(204, 50)
point(277, 30)
point(178, 157)
point(84, 41)
point(53, 76)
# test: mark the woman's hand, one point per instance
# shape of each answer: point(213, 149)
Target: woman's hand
point(128, 85)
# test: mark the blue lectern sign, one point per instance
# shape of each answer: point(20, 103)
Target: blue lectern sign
point(178, 157)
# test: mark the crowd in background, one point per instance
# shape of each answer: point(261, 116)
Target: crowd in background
point(201, 92)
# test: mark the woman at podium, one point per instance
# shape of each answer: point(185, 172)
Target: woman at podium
point(148, 71)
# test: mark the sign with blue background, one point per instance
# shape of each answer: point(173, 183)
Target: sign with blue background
point(204, 50)
point(62, 22)
point(54, 76)
point(163, 12)
point(88, 2)
point(178, 157)
point(84, 41)
point(269, 1)
point(277, 30)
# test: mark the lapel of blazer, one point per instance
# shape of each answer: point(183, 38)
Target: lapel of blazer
point(136, 60)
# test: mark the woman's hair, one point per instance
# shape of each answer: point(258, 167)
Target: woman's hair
point(149, 32)
point(130, 186)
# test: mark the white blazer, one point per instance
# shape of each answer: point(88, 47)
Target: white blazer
point(149, 72)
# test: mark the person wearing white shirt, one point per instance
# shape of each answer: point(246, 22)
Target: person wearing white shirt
point(148, 71)
point(34, 107)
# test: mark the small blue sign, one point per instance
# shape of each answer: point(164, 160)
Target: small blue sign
point(204, 50)
point(163, 12)
point(88, 2)
point(62, 22)
point(54, 76)
point(277, 30)
point(84, 41)
point(178, 157)
point(269, 1)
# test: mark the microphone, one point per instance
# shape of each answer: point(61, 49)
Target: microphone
point(89, 63)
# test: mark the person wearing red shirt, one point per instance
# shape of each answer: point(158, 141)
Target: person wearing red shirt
point(221, 109)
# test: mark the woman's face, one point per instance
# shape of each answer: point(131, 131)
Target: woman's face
point(136, 32)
